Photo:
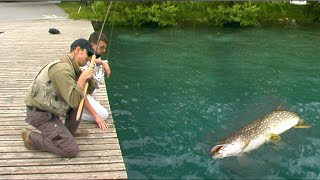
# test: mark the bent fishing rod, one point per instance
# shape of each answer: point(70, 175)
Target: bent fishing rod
point(92, 64)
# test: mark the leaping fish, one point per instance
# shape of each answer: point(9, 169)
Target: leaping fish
point(256, 133)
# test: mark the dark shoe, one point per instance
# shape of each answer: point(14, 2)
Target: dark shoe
point(81, 133)
point(26, 139)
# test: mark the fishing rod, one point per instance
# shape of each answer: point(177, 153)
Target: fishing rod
point(110, 37)
point(92, 64)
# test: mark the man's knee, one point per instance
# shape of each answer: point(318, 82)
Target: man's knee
point(68, 146)
point(104, 114)
point(72, 152)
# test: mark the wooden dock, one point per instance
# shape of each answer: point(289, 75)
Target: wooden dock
point(26, 46)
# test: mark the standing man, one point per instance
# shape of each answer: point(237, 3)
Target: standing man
point(93, 110)
point(57, 91)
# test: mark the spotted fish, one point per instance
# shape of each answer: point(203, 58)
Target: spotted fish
point(256, 133)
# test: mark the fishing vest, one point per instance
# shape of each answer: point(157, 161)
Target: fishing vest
point(42, 94)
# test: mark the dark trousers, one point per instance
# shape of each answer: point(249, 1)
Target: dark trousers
point(55, 137)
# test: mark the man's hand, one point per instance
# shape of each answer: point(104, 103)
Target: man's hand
point(101, 123)
point(106, 69)
point(87, 74)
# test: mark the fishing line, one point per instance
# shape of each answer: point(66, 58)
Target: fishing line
point(104, 22)
point(92, 64)
point(109, 44)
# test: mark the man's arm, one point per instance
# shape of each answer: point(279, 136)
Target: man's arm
point(105, 66)
point(65, 84)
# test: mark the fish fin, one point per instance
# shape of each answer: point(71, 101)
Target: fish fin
point(245, 145)
point(280, 108)
point(275, 138)
point(302, 124)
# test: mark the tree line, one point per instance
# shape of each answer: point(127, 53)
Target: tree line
point(215, 14)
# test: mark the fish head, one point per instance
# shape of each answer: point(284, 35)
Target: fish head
point(225, 150)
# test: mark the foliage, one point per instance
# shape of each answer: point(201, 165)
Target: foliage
point(71, 8)
point(177, 13)
point(192, 12)
point(243, 14)
point(282, 11)
point(139, 14)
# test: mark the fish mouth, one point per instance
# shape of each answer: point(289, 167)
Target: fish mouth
point(216, 149)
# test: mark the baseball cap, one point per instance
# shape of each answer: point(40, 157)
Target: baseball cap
point(83, 44)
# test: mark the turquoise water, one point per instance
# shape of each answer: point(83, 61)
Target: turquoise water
point(175, 93)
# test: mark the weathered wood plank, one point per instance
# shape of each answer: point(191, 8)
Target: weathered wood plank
point(11, 102)
point(83, 147)
point(90, 175)
point(10, 143)
point(60, 161)
point(62, 169)
point(83, 125)
point(15, 122)
point(6, 132)
point(44, 155)
point(93, 136)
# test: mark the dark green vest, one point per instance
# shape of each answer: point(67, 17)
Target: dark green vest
point(43, 95)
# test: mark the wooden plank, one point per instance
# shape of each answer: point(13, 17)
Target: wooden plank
point(6, 132)
point(120, 174)
point(10, 143)
point(83, 124)
point(12, 102)
point(18, 121)
point(60, 161)
point(102, 135)
point(62, 169)
point(45, 155)
point(83, 147)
